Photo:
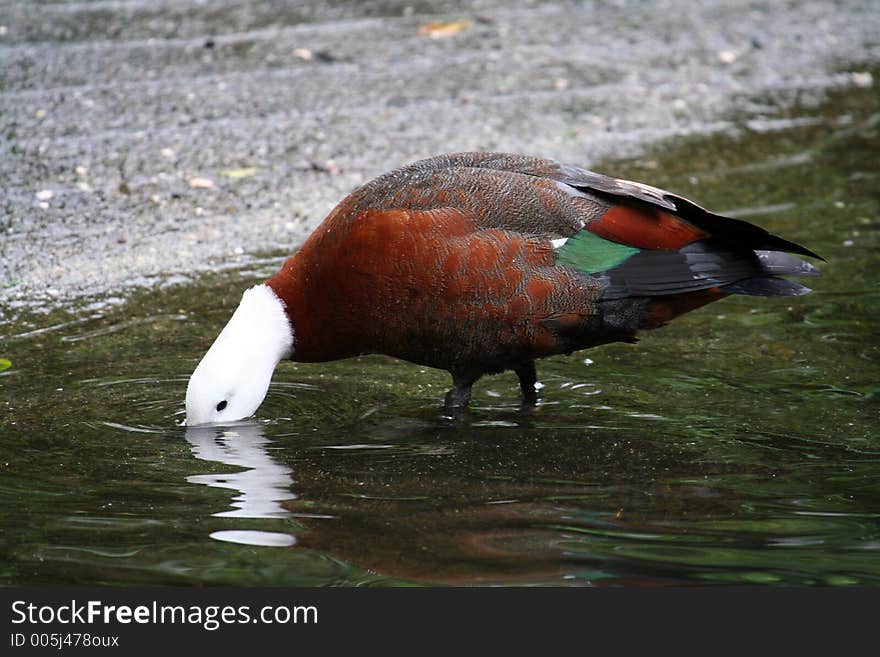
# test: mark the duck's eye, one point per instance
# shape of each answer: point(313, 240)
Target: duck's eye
point(221, 406)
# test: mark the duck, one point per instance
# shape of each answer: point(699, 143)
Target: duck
point(480, 263)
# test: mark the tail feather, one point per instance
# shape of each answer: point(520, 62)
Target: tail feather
point(663, 309)
point(766, 286)
point(703, 265)
point(783, 264)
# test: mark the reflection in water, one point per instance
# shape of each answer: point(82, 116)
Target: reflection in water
point(263, 485)
point(255, 537)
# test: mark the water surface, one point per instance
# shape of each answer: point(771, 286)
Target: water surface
point(738, 445)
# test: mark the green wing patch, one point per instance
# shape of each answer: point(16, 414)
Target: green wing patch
point(591, 253)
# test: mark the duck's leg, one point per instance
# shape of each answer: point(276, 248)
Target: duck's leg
point(459, 397)
point(528, 377)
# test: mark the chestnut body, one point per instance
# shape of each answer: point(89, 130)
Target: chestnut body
point(481, 262)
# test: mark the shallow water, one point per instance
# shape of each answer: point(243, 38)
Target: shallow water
point(739, 444)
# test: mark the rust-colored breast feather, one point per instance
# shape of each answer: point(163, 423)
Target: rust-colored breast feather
point(432, 287)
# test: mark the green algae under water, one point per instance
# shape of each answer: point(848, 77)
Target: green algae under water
point(738, 445)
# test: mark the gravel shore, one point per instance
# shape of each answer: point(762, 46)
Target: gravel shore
point(144, 141)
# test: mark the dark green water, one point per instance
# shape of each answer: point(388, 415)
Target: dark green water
point(738, 445)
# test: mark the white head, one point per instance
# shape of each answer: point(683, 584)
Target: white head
point(232, 379)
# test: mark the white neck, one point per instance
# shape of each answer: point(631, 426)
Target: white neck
point(260, 322)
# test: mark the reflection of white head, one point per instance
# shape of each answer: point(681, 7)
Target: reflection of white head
point(263, 484)
point(231, 380)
